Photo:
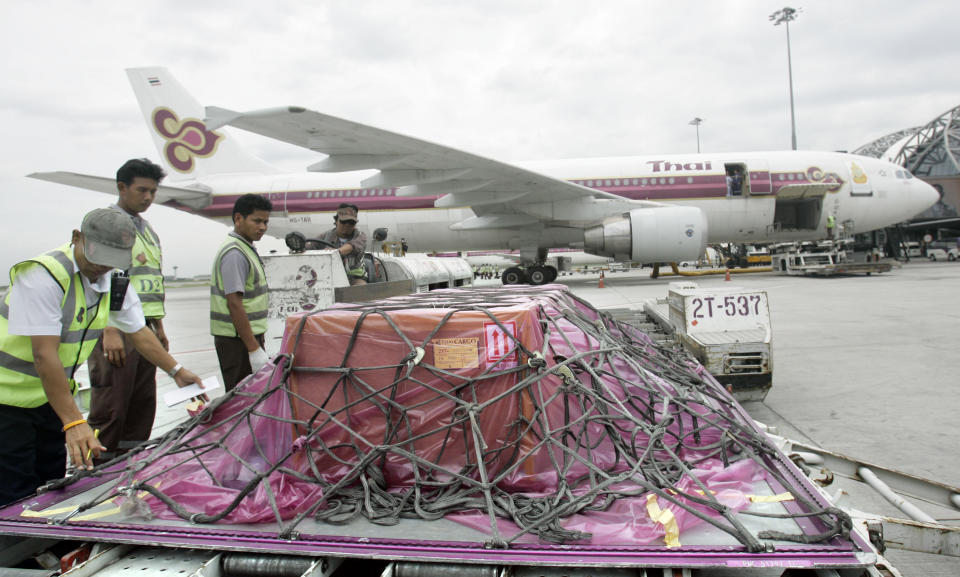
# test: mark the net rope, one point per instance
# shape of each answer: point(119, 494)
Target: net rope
point(622, 418)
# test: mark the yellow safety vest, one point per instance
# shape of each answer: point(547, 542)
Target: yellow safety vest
point(147, 277)
point(20, 384)
point(254, 292)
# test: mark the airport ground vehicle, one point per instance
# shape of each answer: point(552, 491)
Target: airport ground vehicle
point(824, 258)
point(942, 250)
point(912, 249)
point(313, 280)
point(727, 330)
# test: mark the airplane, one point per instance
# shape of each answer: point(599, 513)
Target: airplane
point(647, 210)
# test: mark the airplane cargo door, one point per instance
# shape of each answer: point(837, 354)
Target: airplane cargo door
point(799, 206)
point(759, 178)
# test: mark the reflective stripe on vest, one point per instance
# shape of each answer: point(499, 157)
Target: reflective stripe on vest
point(20, 385)
point(254, 292)
point(147, 277)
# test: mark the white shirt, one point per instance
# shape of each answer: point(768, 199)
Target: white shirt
point(35, 303)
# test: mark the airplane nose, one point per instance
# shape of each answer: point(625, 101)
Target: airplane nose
point(924, 195)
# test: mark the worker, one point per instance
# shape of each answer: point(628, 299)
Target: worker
point(351, 242)
point(238, 293)
point(737, 183)
point(831, 223)
point(50, 319)
point(123, 396)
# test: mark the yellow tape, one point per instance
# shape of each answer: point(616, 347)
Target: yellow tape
point(771, 498)
point(52, 512)
point(753, 498)
point(666, 518)
point(47, 513)
point(93, 515)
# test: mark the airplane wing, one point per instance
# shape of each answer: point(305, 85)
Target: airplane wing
point(194, 198)
point(950, 222)
point(416, 167)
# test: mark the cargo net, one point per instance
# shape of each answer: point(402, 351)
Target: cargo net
point(524, 414)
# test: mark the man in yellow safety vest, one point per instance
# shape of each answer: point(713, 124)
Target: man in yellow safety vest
point(238, 293)
point(123, 398)
point(50, 319)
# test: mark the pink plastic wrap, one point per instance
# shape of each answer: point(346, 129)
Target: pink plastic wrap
point(437, 390)
point(208, 477)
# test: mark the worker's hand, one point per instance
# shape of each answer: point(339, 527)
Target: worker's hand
point(185, 377)
point(113, 348)
point(258, 358)
point(82, 446)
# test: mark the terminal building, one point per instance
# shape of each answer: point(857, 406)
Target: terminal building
point(932, 153)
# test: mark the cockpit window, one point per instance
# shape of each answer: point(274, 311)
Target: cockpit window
point(900, 174)
point(907, 172)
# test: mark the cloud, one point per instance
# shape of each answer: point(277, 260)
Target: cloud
point(509, 79)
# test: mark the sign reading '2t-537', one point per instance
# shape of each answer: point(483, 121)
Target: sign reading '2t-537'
point(726, 311)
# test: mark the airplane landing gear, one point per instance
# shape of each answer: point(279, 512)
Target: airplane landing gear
point(535, 275)
point(542, 275)
point(514, 275)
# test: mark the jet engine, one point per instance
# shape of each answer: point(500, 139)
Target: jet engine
point(649, 235)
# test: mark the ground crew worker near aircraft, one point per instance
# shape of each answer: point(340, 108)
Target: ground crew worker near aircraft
point(351, 242)
point(123, 398)
point(50, 320)
point(238, 295)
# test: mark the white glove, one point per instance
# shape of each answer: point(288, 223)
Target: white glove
point(258, 358)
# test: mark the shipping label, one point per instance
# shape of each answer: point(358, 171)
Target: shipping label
point(456, 353)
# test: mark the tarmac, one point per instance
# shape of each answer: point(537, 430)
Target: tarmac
point(866, 366)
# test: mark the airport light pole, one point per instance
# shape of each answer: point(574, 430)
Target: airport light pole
point(784, 16)
point(696, 122)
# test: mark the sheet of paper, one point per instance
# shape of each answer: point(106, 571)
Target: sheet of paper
point(177, 396)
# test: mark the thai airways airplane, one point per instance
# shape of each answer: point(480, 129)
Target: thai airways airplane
point(654, 209)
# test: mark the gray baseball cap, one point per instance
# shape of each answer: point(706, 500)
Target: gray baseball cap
point(108, 237)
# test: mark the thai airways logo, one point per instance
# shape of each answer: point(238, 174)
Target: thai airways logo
point(186, 139)
point(817, 174)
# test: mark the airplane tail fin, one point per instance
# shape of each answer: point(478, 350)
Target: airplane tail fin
point(188, 150)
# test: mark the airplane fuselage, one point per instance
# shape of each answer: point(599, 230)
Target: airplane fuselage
point(782, 196)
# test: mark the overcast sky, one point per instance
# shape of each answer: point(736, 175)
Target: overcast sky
point(509, 79)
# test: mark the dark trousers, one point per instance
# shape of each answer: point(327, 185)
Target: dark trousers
point(234, 359)
point(32, 450)
point(123, 400)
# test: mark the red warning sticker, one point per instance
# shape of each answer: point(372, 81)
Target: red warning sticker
point(499, 345)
